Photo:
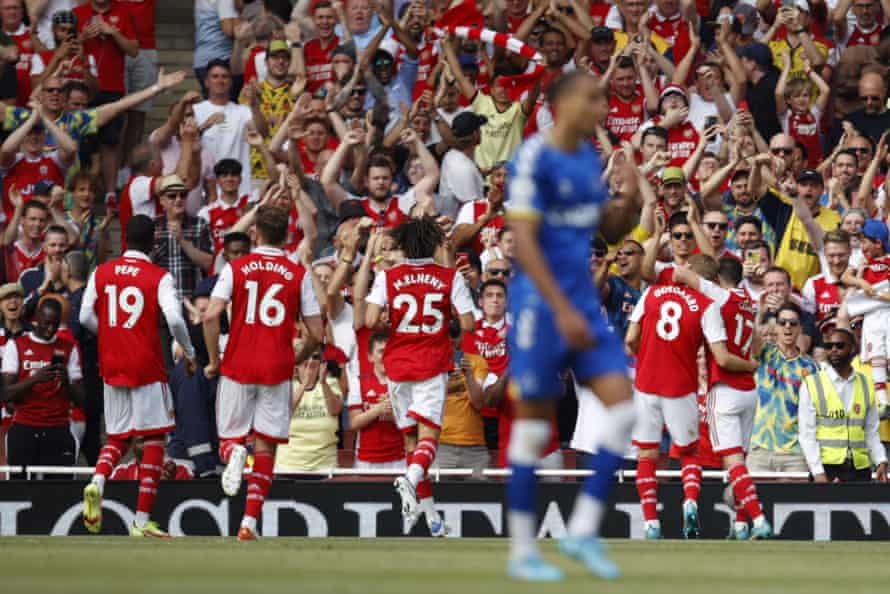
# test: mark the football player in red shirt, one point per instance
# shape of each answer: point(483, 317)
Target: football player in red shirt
point(668, 326)
point(269, 294)
point(419, 295)
point(732, 395)
point(123, 303)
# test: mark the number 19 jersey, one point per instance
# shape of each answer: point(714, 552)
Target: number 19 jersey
point(268, 291)
point(673, 320)
point(419, 295)
point(127, 305)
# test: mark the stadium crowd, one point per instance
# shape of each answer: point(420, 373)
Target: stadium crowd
point(755, 134)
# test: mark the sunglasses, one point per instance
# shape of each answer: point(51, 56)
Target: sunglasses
point(176, 195)
point(499, 271)
point(357, 92)
point(830, 346)
point(863, 149)
point(870, 97)
point(721, 226)
point(53, 89)
point(781, 151)
point(383, 62)
point(682, 235)
point(628, 252)
point(787, 322)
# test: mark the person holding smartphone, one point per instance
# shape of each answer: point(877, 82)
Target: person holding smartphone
point(42, 374)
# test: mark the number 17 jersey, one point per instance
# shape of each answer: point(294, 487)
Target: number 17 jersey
point(419, 295)
point(267, 291)
point(673, 321)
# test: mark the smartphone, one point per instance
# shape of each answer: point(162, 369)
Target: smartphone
point(58, 359)
point(753, 256)
point(711, 121)
point(743, 105)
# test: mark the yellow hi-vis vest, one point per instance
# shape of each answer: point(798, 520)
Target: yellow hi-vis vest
point(841, 433)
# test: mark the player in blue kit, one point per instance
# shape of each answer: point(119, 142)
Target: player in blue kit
point(556, 202)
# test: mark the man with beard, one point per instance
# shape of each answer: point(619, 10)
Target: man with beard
point(627, 107)
point(843, 451)
point(738, 203)
point(681, 241)
point(620, 292)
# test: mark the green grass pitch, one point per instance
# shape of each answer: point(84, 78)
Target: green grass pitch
point(73, 565)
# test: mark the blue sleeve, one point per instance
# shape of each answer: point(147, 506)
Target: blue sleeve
point(775, 212)
point(524, 192)
point(407, 74)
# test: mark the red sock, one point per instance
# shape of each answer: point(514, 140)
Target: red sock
point(691, 477)
point(744, 491)
point(425, 454)
point(149, 474)
point(225, 448)
point(647, 487)
point(259, 483)
point(740, 515)
point(424, 489)
point(110, 455)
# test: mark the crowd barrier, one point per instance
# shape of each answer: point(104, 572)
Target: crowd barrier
point(472, 508)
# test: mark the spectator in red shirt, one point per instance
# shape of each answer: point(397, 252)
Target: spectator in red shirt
point(12, 17)
point(26, 252)
point(106, 31)
point(68, 59)
point(318, 52)
point(42, 374)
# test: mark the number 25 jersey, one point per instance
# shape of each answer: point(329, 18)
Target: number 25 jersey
point(268, 291)
point(419, 295)
point(673, 321)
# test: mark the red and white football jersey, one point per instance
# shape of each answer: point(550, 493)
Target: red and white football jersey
point(77, 71)
point(427, 57)
point(47, 404)
point(674, 320)
point(821, 296)
point(220, 217)
point(103, 48)
point(419, 295)
point(26, 172)
point(682, 141)
point(129, 471)
point(319, 68)
point(664, 273)
point(738, 313)
point(128, 295)
point(139, 196)
point(877, 270)
point(859, 37)
point(625, 117)
point(22, 260)
point(142, 15)
point(470, 213)
point(268, 292)
point(381, 440)
point(490, 341)
point(22, 40)
point(394, 213)
point(674, 30)
point(804, 127)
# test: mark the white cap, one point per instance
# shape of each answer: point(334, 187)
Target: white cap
point(802, 5)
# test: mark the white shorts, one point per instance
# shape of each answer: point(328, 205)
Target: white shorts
point(394, 465)
point(418, 402)
point(731, 419)
point(680, 415)
point(241, 408)
point(141, 72)
point(876, 334)
point(140, 411)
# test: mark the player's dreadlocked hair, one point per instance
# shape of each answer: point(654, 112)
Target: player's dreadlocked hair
point(419, 238)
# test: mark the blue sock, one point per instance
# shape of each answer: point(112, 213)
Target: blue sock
point(603, 464)
point(522, 488)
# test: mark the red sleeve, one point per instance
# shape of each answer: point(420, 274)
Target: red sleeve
point(127, 29)
point(183, 473)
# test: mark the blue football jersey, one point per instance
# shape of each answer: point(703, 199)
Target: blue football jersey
point(565, 193)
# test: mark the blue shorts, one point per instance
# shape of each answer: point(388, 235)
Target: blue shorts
point(539, 354)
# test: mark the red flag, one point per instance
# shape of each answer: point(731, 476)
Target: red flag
point(465, 14)
point(519, 84)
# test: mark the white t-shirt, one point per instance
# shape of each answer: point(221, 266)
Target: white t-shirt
point(170, 154)
point(460, 182)
point(228, 139)
point(700, 110)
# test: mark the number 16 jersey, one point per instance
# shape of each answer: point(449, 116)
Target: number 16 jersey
point(419, 295)
point(673, 321)
point(268, 291)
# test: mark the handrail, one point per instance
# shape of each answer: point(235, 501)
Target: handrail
point(436, 473)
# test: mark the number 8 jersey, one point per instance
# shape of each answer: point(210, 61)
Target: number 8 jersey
point(268, 291)
point(419, 295)
point(673, 321)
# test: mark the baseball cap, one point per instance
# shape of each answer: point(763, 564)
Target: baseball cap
point(64, 17)
point(602, 34)
point(276, 46)
point(802, 5)
point(468, 61)
point(746, 18)
point(171, 182)
point(466, 123)
point(351, 209)
point(876, 230)
point(672, 175)
point(757, 52)
point(43, 187)
point(10, 289)
point(673, 89)
point(810, 175)
point(347, 49)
